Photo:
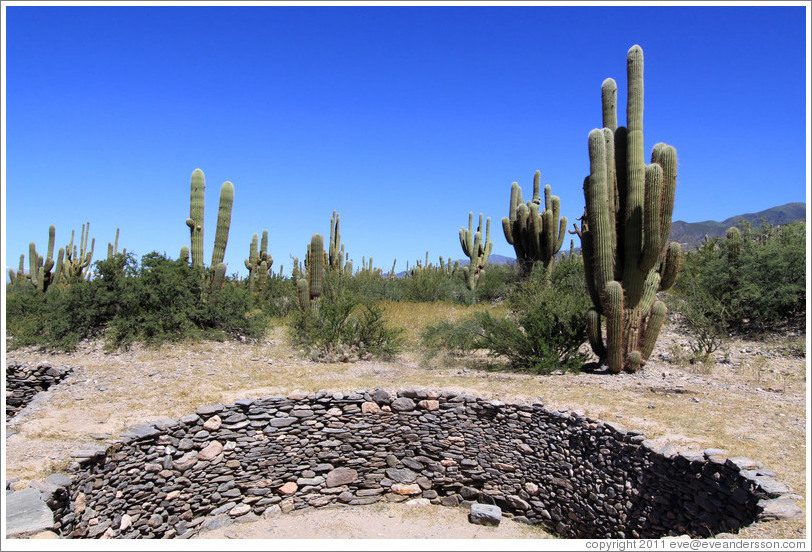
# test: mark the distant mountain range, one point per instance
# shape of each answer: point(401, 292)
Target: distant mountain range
point(691, 234)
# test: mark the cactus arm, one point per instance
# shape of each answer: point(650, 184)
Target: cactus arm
point(666, 157)
point(316, 268)
point(195, 220)
point(633, 276)
point(218, 277)
point(614, 325)
point(671, 266)
point(651, 218)
point(593, 327)
point(655, 323)
point(223, 223)
point(609, 104)
point(598, 214)
point(33, 263)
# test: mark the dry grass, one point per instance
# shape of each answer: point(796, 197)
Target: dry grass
point(752, 406)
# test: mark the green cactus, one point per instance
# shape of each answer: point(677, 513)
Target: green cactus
point(315, 269)
point(184, 254)
point(218, 277)
point(78, 258)
point(259, 264)
point(20, 276)
point(625, 228)
point(195, 221)
point(336, 253)
point(39, 269)
point(534, 236)
point(311, 286)
point(223, 223)
point(112, 249)
point(475, 249)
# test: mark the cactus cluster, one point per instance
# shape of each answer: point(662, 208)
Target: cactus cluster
point(534, 235)
point(625, 228)
point(476, 249)
point(195, 224)
point(259, 264)
point(112, 248)
point(337, 260)
point(70, 265)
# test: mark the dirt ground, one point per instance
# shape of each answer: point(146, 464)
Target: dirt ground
point(749, 400)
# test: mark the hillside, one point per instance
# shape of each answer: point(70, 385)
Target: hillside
point(691, 234)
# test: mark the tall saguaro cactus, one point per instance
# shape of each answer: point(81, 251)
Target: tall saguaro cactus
point(311, 286)
point(335, 255)
point(197, 203)
point(475, 249)
point(258, 263)
point(78, 258)
point(534, 235)
point(195, 220)
point(625, 229)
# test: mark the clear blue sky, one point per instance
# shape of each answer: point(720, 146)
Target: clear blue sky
point(402, 119)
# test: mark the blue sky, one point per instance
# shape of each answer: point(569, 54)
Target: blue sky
point(401, 118)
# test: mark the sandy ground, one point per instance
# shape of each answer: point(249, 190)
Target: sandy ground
point(750, 400)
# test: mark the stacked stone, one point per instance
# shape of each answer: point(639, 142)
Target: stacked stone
point(24, 381)
point(576, 476)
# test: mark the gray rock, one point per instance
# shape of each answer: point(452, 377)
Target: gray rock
point(401, 475)
point(485, 514)
point(403, 404)
point(779, 508)
point(340, 476)
point(26, 513)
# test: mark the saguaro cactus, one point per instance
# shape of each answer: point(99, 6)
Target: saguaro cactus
point(336, 253)
point(223, 223)
point(195, 223)
point(258, 263)
point(475, 249)
point(311, 287)
point(625, 228)
point(78, 258)
point(534, 235)
point(197, 203)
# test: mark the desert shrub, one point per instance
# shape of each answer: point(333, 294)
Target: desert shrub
point(341, 325)
point(160, 300)
point(496, 282)
point(760, 279)
point(542, 334)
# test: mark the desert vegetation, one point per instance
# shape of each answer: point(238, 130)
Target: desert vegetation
point(552, 313)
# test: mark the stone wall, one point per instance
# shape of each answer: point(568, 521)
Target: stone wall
point(579, 477)
point(24, 381)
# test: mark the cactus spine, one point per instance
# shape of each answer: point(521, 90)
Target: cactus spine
point(534, 236)
point(475, 249)
point(625, 229)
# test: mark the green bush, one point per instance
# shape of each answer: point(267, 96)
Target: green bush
point(162, 300)
point(761, 279)
point(544, 331)
point(342, 326)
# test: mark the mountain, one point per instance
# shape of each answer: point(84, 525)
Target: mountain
point(691, 234)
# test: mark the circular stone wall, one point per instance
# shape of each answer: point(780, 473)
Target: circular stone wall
point(579, 477)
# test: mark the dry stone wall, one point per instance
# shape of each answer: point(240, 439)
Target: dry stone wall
point(24, 381)
point(579, 477)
